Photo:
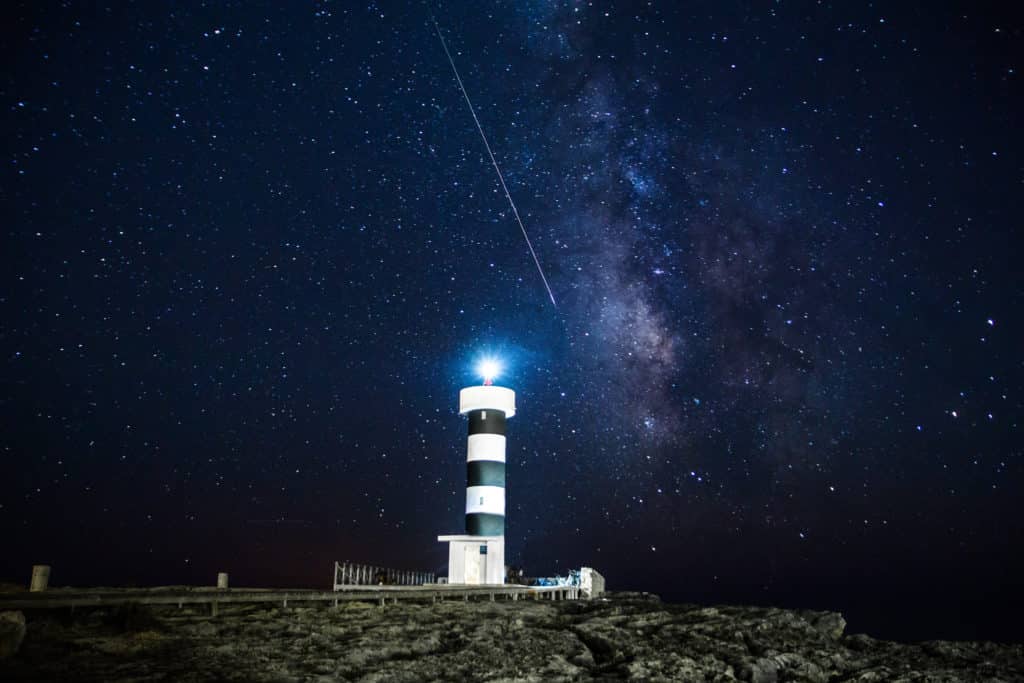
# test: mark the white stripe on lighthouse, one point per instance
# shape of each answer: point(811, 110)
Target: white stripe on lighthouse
point(486, 447)
point(486, 499)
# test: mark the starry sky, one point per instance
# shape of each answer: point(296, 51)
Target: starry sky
point(251, 252)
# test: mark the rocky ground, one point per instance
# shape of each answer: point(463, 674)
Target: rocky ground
point(631, 637)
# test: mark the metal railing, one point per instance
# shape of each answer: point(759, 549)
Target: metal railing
point(352, 574)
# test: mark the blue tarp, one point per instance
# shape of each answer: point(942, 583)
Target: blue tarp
point(573, 579)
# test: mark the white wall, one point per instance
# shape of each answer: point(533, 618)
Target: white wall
point(591, 583)
point(495, 572)
point(496, 562)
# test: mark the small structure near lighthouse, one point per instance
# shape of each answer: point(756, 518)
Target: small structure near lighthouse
point(478, 556)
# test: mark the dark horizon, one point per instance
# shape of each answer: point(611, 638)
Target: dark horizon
point(251, 253)
point(964, 604)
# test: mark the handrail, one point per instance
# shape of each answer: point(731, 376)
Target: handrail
point(352, 574)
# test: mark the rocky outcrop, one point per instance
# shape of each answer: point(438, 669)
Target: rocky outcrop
point(12, 632)
point(631, 637)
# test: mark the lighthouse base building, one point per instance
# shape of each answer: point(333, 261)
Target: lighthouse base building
point(478, 556)
point(474, 560)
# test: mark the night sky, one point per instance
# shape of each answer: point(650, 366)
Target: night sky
point(252, 251)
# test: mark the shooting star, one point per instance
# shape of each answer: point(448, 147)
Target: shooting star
point(501, 178)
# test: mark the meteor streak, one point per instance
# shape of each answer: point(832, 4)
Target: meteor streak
point(501, 178)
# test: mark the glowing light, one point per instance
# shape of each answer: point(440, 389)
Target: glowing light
point(489, 369)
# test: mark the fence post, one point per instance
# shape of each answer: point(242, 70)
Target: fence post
point(40, 578)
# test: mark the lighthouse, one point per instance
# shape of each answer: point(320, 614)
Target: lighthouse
point(478, 555)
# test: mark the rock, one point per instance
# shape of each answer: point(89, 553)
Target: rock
point(860, 642)
point(12, 632)
point(205, 630)
point(763, 671)
point(831, 624)
point(800, 668)
point(523, 641)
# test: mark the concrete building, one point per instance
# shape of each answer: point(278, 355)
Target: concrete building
point(591, 583)
point(478, 556)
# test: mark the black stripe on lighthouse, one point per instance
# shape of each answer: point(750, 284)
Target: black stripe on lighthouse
point(486, 422)
point(483, 524)
point(485, 473)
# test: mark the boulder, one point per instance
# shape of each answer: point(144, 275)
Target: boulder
point(12, 632)
point(830, 624)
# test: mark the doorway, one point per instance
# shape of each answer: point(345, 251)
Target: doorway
point(476, 563)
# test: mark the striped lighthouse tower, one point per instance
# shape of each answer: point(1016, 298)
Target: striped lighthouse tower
point(478, 556)
point(488, 408)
